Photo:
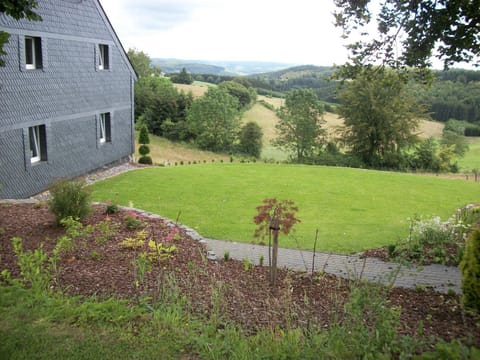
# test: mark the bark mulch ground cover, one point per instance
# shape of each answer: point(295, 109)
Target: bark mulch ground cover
point(100, 265)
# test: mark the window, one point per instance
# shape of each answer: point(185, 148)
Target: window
point(33, 53)
point(103, 57)
point(105, 128)
point(38, 143)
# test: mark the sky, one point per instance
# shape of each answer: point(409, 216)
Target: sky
point(293, 32)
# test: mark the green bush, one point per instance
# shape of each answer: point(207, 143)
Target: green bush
point(146, 160)
point(470, 266)
point(143, 150)
point(69, 198)
point(143, 137)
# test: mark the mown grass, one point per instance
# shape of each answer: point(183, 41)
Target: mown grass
point(353, 209)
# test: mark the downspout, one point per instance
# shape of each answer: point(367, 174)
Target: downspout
point(132, 122)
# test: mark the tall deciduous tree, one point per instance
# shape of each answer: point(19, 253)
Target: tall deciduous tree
point(251, 139)
point(214, 120)
point(381, 117)
point(159, 101)
point(410, 32)
point(142, 63)
point(300, 126)
point(18, 9)
point(244, 95)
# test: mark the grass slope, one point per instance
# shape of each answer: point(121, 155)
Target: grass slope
point(353, 209)
point(471, 160)
point(198, 89)
point(164, 151)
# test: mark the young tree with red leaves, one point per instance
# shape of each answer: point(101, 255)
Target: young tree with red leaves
point(273, 217)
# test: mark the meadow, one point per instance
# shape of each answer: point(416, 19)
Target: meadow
point(166, 152)
point(353, 209)
point(471, 160)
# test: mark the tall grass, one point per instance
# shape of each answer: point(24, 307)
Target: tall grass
point(353, 209)
point(47, 326)
point(164, 151)
point(471, 160)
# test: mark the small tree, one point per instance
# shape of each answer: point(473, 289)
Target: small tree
point(274, 216)
point(144, 150)
point(300, 124)
point(470, 266)
point(251, 139)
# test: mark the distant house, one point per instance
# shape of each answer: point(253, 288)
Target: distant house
point(66, 97)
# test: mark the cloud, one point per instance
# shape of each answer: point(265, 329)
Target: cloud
point(153, 15)
point(299, 31)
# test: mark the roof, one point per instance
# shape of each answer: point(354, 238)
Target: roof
point(115, 37)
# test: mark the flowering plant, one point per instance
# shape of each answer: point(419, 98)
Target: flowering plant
point(133, 221)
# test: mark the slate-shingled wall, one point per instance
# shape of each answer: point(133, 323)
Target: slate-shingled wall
point(66, 95)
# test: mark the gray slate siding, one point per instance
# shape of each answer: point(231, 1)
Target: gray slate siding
point(66, 95)
point(75, 18)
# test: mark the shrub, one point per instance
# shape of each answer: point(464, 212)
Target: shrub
point(146, 160)
point(470, 266)
point(112, 209)
point(432, 231)
point(69, 198)
point(132, 221)
point(143, 137)
point(143, 150)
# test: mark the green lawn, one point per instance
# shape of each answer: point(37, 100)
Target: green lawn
point(353, 209)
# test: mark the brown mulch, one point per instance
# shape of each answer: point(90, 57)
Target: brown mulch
point(104, 269)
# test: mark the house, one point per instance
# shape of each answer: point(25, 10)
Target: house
point(66, 97)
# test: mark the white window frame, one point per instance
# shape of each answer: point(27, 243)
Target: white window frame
point(103, 133)
point(105, 124)
point(33, 49)
point(103, 57)
point(35, 139)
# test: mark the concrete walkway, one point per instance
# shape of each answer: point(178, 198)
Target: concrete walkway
point(437, 277)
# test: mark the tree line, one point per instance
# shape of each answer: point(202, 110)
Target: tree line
point(380, 110)
point(211, 122)
point(452, 94)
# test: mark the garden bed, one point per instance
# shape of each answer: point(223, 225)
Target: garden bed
point(236, 291)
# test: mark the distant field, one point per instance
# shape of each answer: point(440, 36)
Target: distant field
point(198, 88)
point(277, 102)
point(267, 120)
point(167, 152)
point(264, 117)
point(353, 209)
point(472, 158)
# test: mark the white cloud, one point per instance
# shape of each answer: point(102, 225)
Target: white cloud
point(298, 31)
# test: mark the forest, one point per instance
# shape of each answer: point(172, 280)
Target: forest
point(453, 94)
